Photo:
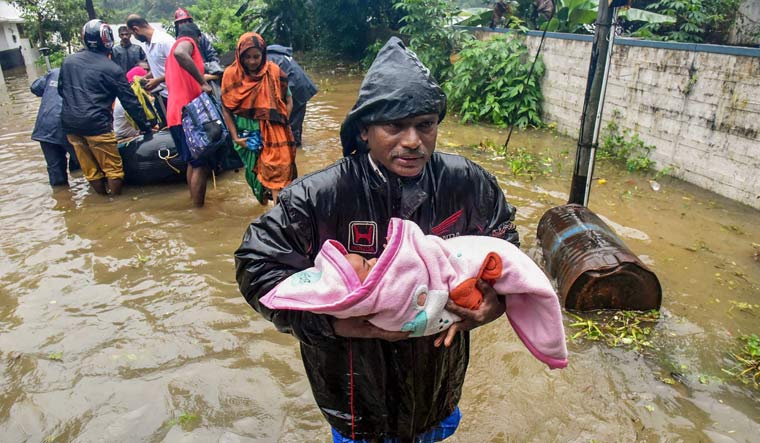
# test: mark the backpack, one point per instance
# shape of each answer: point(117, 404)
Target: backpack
point(203, 126)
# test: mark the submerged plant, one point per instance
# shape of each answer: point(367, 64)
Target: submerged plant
point(623, 145)
point(630, 329)
point(184, 419)
point(746, 360)
point(520, 160)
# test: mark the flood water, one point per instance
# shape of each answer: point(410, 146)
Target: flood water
point(120, 320)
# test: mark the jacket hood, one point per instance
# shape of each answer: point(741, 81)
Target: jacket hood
point(396, 86)
point(279, 49)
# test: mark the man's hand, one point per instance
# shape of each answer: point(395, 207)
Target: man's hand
point(152, 84)
point(206, 87)
point(360, 327)
point(490, 309)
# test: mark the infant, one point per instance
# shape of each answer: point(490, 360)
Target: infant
point(407, 287)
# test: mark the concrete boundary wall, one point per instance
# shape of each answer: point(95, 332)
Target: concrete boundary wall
point(698, 104)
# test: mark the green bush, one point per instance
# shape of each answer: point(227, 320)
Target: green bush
point(370, 53)
point(621, 144)
point(696, 21)
point(488, 83)
point(218, 17)
point(426, 22)
point(56, 58)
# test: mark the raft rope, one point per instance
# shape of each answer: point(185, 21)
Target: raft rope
point(168, 156)
point(213, 178)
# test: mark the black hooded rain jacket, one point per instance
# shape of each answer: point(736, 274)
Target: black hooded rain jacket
point(402, 388)
point(370, 388)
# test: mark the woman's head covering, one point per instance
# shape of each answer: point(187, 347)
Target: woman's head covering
point(136, 72)
point(396, 86)
point(249, 94)
point(251, 40)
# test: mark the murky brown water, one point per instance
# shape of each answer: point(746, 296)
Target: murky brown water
point(120, 320)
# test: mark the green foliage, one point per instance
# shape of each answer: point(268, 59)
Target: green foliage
point(185, 420)
point(573, 15)
point(344, 27)
point(152, 10)
point(62, 17)
point(286, 22)
point(623, 146)
point(370, 53)
point(696, 21)
point(746, 358)
point(56, 58)
point(629, 329)
point(427, 23)
point(488, 83)
point(218, 18)
point(521, 161)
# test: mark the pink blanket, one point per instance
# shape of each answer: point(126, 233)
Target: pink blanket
point(408, 288)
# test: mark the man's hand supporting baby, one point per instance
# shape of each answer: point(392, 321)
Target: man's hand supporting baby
point(360, 327)
point(492, 307)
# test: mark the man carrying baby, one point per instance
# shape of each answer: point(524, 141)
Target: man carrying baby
point(370, 384)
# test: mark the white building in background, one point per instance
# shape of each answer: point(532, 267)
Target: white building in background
point(15, 51)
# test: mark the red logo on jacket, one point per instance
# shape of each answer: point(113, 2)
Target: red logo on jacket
point(444, 229)
point(362, 237)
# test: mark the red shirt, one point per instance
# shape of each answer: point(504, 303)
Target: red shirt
point(182, 86)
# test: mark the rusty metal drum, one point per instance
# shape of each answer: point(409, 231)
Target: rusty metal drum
point(593, 267)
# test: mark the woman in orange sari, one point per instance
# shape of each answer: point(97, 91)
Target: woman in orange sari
point(256, 105)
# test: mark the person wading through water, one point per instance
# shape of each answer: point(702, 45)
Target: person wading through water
point(185, 82)
point(256, 104)
point(88, 84)
point(372, 384)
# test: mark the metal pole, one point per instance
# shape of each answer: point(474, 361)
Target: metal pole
point(584, 157)
point(45, 52)
point(600, 111)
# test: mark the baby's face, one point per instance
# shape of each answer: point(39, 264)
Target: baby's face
point(361, 265)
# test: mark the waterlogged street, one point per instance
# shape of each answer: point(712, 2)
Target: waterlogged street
point(120, 320)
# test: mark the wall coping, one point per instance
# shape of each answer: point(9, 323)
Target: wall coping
point(627, 41)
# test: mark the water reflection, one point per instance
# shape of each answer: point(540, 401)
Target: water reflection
point(120, 319)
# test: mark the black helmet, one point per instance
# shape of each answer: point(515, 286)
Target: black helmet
point(97, 36)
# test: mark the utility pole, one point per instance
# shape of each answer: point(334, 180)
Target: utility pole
point(592, 266)
point(90, 9)
point(592, 106)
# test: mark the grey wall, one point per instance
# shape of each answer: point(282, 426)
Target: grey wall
point(698, 106)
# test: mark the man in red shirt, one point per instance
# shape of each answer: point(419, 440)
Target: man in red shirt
point(185, 82)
